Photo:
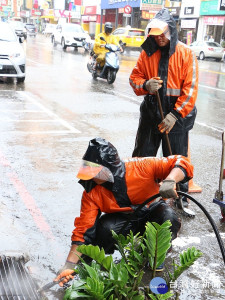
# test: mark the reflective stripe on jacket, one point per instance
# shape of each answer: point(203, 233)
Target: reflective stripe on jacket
point(142, 179)
point(182, 81)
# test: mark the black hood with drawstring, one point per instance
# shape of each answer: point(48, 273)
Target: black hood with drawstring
point(150, 45)
point(104, 153)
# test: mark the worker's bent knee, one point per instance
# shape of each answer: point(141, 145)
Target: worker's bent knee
point(107, 223)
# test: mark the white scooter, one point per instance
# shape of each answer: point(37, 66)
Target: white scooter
point(111, 66)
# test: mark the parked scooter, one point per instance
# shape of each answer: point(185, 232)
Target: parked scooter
point(111, 66)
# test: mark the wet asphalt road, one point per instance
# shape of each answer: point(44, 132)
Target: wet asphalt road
point(46, 124)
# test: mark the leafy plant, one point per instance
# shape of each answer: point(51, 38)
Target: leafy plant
point(105, 279)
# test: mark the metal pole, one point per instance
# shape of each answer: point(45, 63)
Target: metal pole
point(116, 21)
point(101, 20)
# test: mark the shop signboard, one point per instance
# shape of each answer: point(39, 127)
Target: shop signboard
point(112, 4)
point(147, 15)
point(90, 10)
point(151, 5)
point(89, 18)
point(210, 8)
point(190, 9)
point(188, 23)
point(61, 13)
point(3, 2)
point(214, 20)
point(175, 11)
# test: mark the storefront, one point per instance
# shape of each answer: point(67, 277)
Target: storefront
point(91, 16)
point(212, 22)
point(189, 16)
point(122, 13)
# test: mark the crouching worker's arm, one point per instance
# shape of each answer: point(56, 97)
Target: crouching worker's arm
point(168, 186)
point(67, 271)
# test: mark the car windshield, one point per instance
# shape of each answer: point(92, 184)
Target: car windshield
point(30, 26)
point(73, 28)
point(213, 44)
point(6, 33)
point(17, 25)
point(136, 33)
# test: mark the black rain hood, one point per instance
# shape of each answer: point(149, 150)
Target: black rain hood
point(150, 46)
point(104, 153)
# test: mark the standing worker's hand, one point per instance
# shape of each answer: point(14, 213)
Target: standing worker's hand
point(66, 271)
point(153, 84)
point(168, 189)
point(167, 124)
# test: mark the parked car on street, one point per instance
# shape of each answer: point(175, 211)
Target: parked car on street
point(19, 28)
point(49, 29)
point(133, 37)
point(31, 29)
point(204, 49)
point(70, 35)
point(12, 55)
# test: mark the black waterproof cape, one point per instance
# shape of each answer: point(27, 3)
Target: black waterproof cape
point(104, 153)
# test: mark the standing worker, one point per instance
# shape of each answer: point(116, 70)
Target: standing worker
point(168, 66)
point(116, 187)
point(99, 45)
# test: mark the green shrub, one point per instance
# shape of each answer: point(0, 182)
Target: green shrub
point(105, 279)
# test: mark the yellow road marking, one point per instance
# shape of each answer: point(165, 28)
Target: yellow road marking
point(216, 72)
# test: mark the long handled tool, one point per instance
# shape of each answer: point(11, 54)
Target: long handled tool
point(185, 210)
point(52, 283)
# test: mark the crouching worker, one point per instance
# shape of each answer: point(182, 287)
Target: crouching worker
point(115, 187)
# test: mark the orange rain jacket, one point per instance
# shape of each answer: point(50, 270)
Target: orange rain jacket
point(179, 72)
point(182, 81)
point(142, 177)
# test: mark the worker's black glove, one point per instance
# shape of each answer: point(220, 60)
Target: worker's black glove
point(167, 123)
point(168, 189)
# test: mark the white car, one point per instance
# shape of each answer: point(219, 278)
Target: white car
point(12, 55)
point(49, 29)
point(19, 28)
point(204, 49)
point(70, 35)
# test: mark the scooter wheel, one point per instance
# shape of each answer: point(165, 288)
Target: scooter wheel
point(94, 75)
point(111, 76)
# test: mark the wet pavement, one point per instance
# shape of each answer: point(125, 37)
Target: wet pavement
point(46, 124)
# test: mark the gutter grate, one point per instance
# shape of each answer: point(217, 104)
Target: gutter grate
point(15, 282)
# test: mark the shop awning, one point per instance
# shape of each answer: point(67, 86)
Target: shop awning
point(47, 17)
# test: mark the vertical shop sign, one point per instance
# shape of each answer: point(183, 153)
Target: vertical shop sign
point(189, 37)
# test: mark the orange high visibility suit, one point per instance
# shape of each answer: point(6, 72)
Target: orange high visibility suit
point(135, 180)
point(177, 66)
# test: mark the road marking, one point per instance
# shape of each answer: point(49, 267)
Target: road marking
point(27, 199)
point(218, 129)
point(210, 71)
point(35, 121)
point(50, 113)
point(212, 88)
point(35, 62)
point(31, 206)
